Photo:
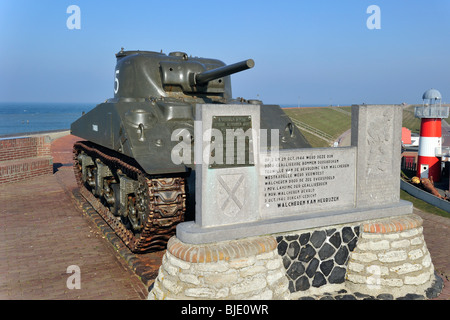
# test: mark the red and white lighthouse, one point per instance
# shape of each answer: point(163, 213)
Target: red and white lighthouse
point(430, 142)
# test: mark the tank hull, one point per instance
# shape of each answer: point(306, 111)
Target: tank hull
point(144, 131)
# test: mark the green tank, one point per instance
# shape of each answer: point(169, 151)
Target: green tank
point(124, 167)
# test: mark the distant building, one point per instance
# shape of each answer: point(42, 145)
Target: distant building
point(406, 136)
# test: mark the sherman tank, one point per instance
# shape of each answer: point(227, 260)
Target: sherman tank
point(124, 167)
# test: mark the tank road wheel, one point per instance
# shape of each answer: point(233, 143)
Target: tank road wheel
point(86, 167)
point(134, 214)
point(111, 191)
point(138, 206)
point(90, 177)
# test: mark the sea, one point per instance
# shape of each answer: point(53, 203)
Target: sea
point(24, 117)
point(29, 117)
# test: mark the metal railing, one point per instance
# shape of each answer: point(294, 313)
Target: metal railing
point(323, 135)
point(430, 111)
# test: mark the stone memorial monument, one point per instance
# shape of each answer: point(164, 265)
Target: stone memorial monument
point(293, 189)
point(276, 223)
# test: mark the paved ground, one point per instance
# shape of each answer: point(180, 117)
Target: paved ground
point(436, 231)
point(43, 232)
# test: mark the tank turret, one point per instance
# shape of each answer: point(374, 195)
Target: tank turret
point(144, 74)
point(124, 167)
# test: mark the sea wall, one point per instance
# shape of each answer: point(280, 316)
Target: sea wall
point(24, 157)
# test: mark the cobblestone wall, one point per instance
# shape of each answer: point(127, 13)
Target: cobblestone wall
point(245, 269)
point(391, 256)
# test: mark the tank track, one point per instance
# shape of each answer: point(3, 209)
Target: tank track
point(163, 199)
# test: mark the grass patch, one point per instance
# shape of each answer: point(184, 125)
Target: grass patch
point(422, 205)
point(335, 123)
point(410, 121)
point(314, 141)
point(325, 119)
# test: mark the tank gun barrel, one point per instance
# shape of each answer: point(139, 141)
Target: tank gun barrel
point(206, 76)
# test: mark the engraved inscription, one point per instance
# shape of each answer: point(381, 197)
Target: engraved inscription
point(308, 180)
point(379, 142)
point(378, 180)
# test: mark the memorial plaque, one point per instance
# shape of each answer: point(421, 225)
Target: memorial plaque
point(307, 180)
point(235, 135)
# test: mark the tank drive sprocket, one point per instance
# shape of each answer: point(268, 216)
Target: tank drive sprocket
point(142, 210)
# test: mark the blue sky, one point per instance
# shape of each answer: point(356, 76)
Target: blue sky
point(315, 51)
